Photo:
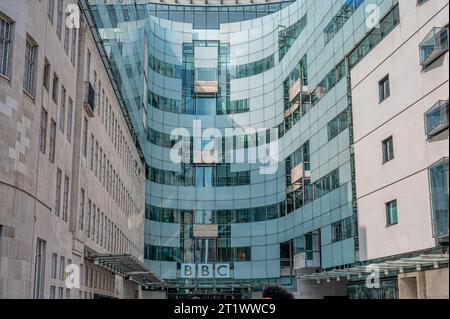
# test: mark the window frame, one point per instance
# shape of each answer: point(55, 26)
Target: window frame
point(43, 131)
point(384, 91)
point(8, 40)
point(388, 153)
point(30, 70)
point(390, 221)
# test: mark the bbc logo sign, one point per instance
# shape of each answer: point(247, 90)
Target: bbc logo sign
point(205, 271)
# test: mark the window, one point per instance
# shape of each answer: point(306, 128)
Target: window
point(60, 293)
point(46, 80)
point(91, 162)
point(206, 106)
point(388, 149)
point(39, 269)
point(391, 213)
point(54, 265)
point(69, 120)
point(52, 292)
point(342, 230)
point(85, 133)
point(51, 154)
point(62, 111)
point(43, 131)
point(58, 192)
point(30, 67)
point(96, 159)
point(337, 125)
point(55, 88)
point(66, 39)
point(51, 10)
point(59, 18)
point(88, 229)
point(88, 66)
point(81, 220)
point(384, 88)
point(439, 180)
point(65, 198)
point(62, 267)
point(73, 50)
point(94, 213)
point(5, 47)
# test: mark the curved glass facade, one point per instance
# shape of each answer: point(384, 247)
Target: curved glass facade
point(279, 69)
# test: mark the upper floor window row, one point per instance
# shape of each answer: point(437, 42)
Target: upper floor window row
point(341, 17)
point(253, 68)
point(288, 35)
point(5, 46)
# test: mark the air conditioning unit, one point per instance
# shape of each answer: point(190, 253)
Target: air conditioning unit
point(89, 98)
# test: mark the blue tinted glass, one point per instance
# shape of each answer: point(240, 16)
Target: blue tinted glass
point(212, 20)
point(206, 106)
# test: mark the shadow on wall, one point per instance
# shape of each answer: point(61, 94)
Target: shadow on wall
point(362, 235)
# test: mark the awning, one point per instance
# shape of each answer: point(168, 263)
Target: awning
point(127, 266)
point(385, 268)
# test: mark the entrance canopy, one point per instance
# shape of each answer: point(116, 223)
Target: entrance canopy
point(387, 268)
point(127, 266)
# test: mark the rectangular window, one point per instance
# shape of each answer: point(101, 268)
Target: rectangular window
point(388, 149)
point(52, 292)
point(73, 50)
point(66, 39)
point(438, 181)
point(43, 131)
point(94, 213)
point(58, 192)
point(50, 10)
point(55, 88)
point(81, 220)
point(85, 134)
point(69, 120)
point(51, 154)
point(96, 159)
point(39, 269)
point(391, 213)
point(88, 66)
point(62, 111)
point(46, 80)
point(30, 67)
point(384, 88)
point(60, 293)
point(91, 157)
point(62, 267)
point(65, 198)
point(337, 125)
point(54, 265)
point(59, 18)
point(5, 47)
point(88, 219)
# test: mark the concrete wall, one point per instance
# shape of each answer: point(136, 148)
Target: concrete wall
point(431, 284)
point(413, 92)
point(28, 177)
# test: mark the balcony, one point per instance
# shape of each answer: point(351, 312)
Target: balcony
point(206, 87)
point(89, 99)
point(433, 46)
point(299, 172)
point(436, 119)
point(206, 231)
point(296, 89)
